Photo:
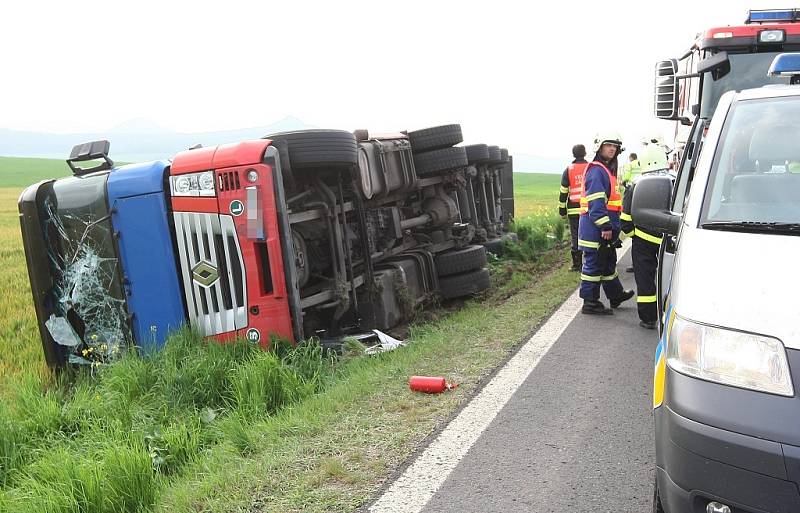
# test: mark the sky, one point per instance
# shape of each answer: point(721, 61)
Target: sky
point(535, 77)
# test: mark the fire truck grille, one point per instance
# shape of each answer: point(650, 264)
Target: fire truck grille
point(213, 272)
point(229, 181)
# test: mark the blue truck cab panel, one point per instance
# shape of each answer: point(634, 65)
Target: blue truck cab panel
point(140, 218)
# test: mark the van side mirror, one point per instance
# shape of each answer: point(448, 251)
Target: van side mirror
point(666, 90)
point(650, 205)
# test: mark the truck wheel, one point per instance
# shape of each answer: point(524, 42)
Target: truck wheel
point(494, 246)
point(460, 260)
point(494, 154)
point(435, 138)
point(477, 153)
point(319, 148)
point(459, 285)
point(440, 160)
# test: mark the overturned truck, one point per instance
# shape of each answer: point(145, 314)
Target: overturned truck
point(310, 233)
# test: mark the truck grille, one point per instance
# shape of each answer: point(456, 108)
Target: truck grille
point(229, 181)
point(213, 272)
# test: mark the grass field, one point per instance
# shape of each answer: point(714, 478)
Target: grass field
point(187, 430)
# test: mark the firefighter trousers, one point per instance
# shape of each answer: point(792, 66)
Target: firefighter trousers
point(600, 270)
point(645, 265)
point(573, 230)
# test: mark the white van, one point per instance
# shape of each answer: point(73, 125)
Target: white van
point(727, 415)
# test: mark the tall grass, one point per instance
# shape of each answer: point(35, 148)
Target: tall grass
point(110, 441)
point(536, 234)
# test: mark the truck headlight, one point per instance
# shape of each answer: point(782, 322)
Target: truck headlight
point(193, 184)
point(735, 358)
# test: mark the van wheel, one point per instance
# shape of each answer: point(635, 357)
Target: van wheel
point(435, 138)
point(460, 260)
point(466, 284)
point(319, 148)
point(657, 506)
point(440, 160)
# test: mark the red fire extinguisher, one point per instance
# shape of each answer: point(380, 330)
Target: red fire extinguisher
point(429, 384)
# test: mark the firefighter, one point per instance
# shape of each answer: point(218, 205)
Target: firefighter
point(645, 244)
point(599, 228)
point(631, 170)
point(569, 200)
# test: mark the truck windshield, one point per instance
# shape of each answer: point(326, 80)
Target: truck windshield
point(748, 70)
point(86, 297)
point(755, 178)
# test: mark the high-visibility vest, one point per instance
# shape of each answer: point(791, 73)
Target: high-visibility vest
point(576, 172)
point(613, 202)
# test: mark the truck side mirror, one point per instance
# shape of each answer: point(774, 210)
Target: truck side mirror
point(88, 152)
point(650, 205)
point(718, 64)
point(666, 94)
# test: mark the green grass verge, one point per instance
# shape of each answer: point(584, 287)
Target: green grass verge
point(333, 451)
point(213, 427)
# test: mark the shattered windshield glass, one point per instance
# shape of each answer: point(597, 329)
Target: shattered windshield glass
point(90, 317)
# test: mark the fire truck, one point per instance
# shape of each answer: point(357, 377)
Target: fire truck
point(310, 233)
point(721, 59)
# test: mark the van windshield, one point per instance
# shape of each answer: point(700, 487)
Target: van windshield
point(755, 178)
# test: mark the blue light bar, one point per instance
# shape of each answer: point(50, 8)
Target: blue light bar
point(772, 16)
point(785, 64)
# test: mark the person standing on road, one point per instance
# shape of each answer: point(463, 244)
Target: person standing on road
point(599, 229)
point(631, 170)
point(569, 199)
point(645, 244)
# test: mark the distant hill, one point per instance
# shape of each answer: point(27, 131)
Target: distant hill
point(139, 140)
point(524, 163)
point(136, 140)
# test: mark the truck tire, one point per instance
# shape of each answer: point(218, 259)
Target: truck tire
point(504, 154)
point(319, 148)
point(460, 260)
point(494, 154)
point(440, 160)
point(477, 153)
point(459, 285)
point(435, 138)
point(494, 246)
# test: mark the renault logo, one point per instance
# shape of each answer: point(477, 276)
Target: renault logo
point(205, 274)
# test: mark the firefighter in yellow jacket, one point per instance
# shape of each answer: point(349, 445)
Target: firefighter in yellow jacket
point(645, 244)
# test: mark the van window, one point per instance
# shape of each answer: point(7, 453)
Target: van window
point(755, 176)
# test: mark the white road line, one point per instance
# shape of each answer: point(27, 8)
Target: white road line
point(412, 491)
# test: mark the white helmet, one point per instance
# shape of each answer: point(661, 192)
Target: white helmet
point(610, 138)
point(653, 139)
point(653, 159)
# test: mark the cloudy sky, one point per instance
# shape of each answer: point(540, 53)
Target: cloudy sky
point(532, 76)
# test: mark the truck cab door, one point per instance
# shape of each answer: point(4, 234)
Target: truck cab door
point(683, 182)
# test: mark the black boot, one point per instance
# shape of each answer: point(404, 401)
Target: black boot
point(626, 295)
point(577, 261)
point(593, 307)
point(650, 325)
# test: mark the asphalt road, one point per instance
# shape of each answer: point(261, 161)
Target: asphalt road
point(576, 436)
